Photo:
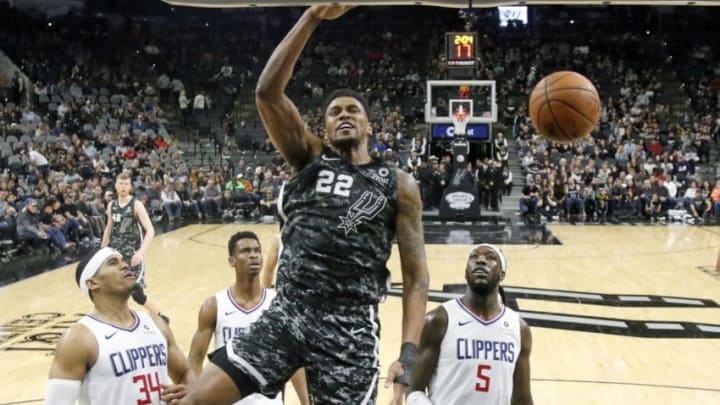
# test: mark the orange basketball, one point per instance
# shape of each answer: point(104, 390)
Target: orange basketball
point(564, 106)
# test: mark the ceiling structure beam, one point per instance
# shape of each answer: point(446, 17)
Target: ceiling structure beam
point(438, 3)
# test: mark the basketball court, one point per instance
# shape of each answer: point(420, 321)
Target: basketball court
point(624, 314)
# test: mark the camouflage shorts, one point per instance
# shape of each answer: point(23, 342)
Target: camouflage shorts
point(338, 348)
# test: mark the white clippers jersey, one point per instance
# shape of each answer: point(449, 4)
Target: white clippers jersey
point(477, 358)
point(131, 363)
point(231, 321)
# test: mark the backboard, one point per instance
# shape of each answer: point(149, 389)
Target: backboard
point(445, 97)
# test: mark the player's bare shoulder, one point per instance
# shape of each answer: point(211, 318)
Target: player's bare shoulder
point(408, 189)
point(525, 333)
point(77, 343)
point(208, 310)
point(437, 320)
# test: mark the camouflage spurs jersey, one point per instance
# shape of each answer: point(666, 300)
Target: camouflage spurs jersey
point(126, 235)
point(339, 224)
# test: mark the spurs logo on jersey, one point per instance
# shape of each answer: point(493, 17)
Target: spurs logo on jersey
point(332, 205)
point(477, 358)
point(364, 209)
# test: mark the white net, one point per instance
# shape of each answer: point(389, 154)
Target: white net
point(460, 121)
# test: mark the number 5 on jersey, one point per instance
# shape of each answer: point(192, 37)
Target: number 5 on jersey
point(328, 183)
point(484, 384)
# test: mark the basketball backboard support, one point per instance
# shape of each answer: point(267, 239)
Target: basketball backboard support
point(477, 97)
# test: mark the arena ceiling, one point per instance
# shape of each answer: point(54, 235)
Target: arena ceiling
point(441, 3)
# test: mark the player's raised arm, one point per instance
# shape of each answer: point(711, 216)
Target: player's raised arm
point(108, 226)
point(267, 277)
point(278, 113)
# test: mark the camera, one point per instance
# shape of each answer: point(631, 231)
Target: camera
point(469, 17)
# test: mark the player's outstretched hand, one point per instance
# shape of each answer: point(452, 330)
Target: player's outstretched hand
point(329, 12)
point(396, 370)
point(136, 260)
point(172, 394)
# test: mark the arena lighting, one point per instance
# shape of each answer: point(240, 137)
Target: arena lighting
point(439, 3)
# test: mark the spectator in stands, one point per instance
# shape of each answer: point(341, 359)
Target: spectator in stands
point(225, 206)
point(184, 105)
point(699, 207)
point(78, 224)
point(18, 88)
point(268, 202)
point(418, 148)
point(548, 206)
point(237, 189)
point(507, 180)
point(29, 228)
point(38, 160)
point(200, 105)
point(602, 199)
point(440, 180)
point(502, 155)
point(682, 169)
point(196, 194)
point(715, 199)
point(211, 198)
point(706, 189)
point(57, 229)
point(575, 204)
point(188, 201)
point(8, 215)
point(689, 194)
point(171, 202)
point(85, 208)
point(499, 142)
point(529, 200)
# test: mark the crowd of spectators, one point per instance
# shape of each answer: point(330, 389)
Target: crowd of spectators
point(639, 162)
point(111, 95)
point(100, 95)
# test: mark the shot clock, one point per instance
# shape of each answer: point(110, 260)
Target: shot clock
point(461, 49)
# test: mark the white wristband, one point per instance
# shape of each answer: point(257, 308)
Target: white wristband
point(418, 398)
point(62, 392)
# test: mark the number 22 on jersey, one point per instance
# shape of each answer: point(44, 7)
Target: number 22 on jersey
point(330, 183)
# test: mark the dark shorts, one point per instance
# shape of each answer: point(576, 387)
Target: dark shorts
point(338, 348)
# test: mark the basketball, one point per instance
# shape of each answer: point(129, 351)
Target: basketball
point(564, 106)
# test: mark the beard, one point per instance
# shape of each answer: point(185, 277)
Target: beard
point(484, 289)
point(345, 144)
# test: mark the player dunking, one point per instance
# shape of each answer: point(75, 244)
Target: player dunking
point(125, 216)
point(341, 212)
point(115, 355)
point(231, 311)
point(474, 349)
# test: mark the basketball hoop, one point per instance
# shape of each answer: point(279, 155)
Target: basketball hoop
point(460, 121)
